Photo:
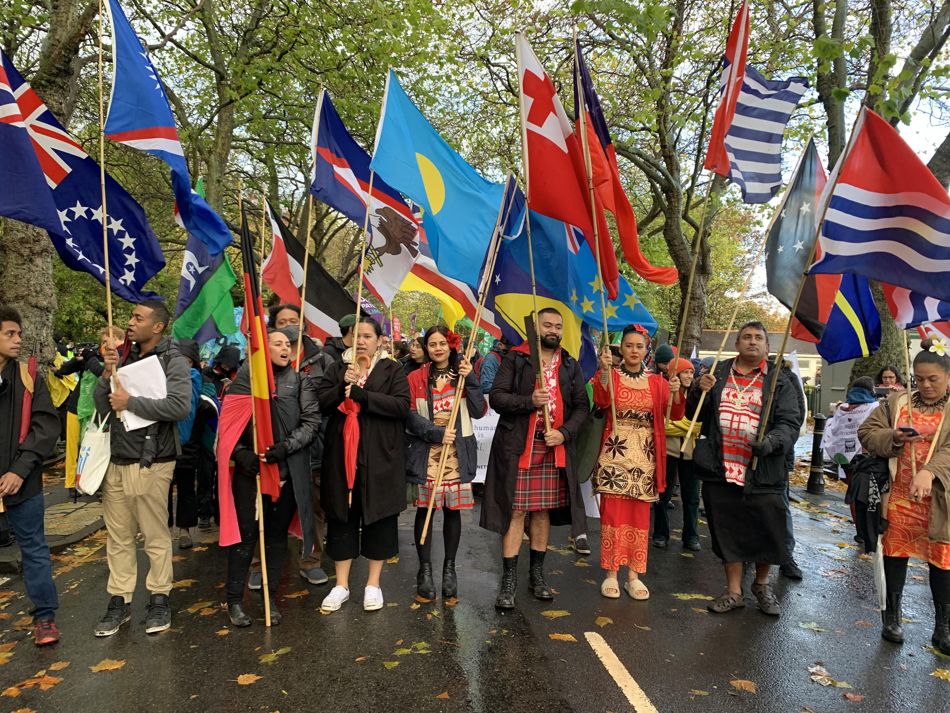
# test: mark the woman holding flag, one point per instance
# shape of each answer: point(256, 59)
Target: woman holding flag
point(631, 470)
point(432, 388)
point(362, 487)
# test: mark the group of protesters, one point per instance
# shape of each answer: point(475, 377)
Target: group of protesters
point(352, 425)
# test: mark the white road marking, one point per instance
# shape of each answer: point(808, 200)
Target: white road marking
point(621, 676)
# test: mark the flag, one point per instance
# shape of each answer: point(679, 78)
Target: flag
point(204, 309)
point(258, 357)
point(556, 173)
point(941, 330)
point(888, 217)
point(854, 328)
point(912, 309)
point(327, 301)
point(72, 182)
point(606, 173)
point(341, 180)
point(140, 117)
point(789, 245)
point(733, 75)
point(460, 208)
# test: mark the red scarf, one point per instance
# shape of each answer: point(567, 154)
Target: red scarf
point(557, 420)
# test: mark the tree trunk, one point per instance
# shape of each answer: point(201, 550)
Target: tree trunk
point(832, 76)
point(891, 352)
point(940, 162)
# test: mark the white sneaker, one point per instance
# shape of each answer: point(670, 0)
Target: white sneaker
point(372, 598)
point(335, 599)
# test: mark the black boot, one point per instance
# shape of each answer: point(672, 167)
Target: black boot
point(450, 583)
point(941, 637)
point(536, 581)
point(425, 587)
point(893, 631)
point(237, 615)
point(274, 612)
point(509, 582)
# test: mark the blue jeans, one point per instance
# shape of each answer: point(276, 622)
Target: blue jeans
point(26, 521)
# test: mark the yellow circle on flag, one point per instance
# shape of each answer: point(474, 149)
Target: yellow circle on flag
point(432, 180)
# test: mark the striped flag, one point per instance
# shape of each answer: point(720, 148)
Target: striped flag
point(746, 139)
point(888, 217)
point(258, 356)
point(912, 309)
point(934, 329)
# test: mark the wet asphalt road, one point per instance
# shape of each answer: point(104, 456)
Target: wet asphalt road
point(430, 657)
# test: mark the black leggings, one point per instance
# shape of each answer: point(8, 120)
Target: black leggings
point(895, 573)
point(451, 533)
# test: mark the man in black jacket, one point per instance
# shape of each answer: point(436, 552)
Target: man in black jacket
point(135, 489)
point(530, 469)
point(23, 448)
point(742, 464)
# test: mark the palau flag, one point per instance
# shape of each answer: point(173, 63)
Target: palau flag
point(853, 329)
point(460, 208)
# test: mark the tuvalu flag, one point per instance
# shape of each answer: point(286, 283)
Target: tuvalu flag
point(326, 300)
point(258, 357)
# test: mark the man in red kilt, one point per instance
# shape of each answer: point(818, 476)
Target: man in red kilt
point(532, 452)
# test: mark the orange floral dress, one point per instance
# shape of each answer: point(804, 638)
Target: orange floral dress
point(906, 534)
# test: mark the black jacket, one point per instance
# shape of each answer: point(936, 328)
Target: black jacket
point(26, 459)
point(781, 430)
point(335, 348)
point(511, 397)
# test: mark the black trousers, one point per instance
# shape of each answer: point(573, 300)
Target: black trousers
point(348, 539)
point(689, 493)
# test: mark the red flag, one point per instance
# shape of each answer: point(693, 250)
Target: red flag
point(554, 162)
point(606, 174)
point(733, 74)
point(258, 355)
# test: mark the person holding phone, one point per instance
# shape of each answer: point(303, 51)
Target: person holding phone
point(911, 431)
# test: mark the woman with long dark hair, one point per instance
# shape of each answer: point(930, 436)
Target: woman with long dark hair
point(432, 389)
point(911, 431)
point(416, 356)
point(362, 486)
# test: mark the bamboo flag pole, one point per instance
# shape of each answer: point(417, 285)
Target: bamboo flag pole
point(503, 212)
point(259, 495)
point(588, 167)
point(102, 173)
point(527, 192)
point(912, 453)
point(260, 277)
point(745, 287)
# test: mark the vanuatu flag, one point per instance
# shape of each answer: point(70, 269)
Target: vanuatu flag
point(258, 357)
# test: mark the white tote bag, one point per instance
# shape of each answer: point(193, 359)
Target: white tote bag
point(95, 451)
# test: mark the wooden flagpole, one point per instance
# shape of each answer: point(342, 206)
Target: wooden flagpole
point(745, 287)
point(910, 405)
point(259, 496)
point(503, 213)
point(527, 192)
point(582, 120)
point(102, 173)
point(264, 222)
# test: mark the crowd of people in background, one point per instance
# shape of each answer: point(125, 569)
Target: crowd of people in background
point(359, 417)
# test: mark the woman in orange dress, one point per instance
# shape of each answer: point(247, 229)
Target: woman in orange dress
point(917, 444)
point(631, 469)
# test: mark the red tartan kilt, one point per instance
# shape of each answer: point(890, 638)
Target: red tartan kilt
point(543, 485)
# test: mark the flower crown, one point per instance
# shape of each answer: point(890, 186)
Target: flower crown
point(938, 347)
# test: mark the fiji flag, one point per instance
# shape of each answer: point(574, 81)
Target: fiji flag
point(460, 207)
point(61, 172)
point(888, 217)
point(854, 327)
point(341, 180)
point(139, 116)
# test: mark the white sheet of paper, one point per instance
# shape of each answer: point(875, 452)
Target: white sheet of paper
point(144, 378)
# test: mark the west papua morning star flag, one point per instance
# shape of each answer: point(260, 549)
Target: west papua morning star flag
point(888, 217)
point(72, 179)
point(327, 301)
point(140, 117)
point(341, 180)
point(556, 173)
point(606, 173)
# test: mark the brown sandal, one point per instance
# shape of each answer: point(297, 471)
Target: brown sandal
point(726, 603)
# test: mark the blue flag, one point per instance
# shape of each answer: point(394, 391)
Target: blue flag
point(140, 117)
point(854, 328)
point(460, 207)
point(71, 183)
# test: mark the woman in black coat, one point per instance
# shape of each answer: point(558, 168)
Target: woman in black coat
point(374, 394)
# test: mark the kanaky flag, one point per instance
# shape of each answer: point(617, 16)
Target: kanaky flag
point(606, 174)
point(555, 169)
point(258, 356)
point(737, 47)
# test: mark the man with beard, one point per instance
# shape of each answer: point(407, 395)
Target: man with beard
point(531, 469)
point(745, 505)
